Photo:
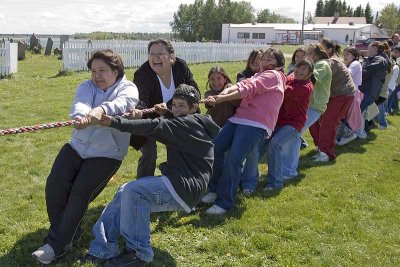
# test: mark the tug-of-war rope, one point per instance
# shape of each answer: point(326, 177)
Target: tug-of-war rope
point(52, 125)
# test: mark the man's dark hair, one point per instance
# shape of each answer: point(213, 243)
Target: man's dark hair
point(111, 58)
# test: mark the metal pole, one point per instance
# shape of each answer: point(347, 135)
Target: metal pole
point(302, 24)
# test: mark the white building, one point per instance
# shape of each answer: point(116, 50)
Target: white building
point(282, 33)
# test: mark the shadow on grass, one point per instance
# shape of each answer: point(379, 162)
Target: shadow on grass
point(356, 146)
point(203, 220)
point(20, 253)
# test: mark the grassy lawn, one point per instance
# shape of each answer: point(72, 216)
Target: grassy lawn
point(344, 213)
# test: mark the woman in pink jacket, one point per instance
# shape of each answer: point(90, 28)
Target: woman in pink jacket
point(254, 120)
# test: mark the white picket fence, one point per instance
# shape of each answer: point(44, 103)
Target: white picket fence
point(8, 58)
point(134, 53)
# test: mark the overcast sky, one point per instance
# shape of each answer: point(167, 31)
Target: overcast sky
point(72, 16)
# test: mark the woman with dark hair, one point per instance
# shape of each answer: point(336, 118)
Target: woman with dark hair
point(254, 120)
point(298, 54)
point(252, 65)
point(156, 80)
point(342, 90)
point(86, 163)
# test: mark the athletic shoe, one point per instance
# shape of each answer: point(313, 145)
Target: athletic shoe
point(346, 140)
point(216, 210)
point(44, 254)
point(380, 127)
point(362, 134)
point(209, 198)
point(126, 259)
point(323, 157)
point(88, 258)
point(248, 192)
point(316, 155)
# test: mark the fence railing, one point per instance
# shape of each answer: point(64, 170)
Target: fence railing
point(134, 53)
point(8, 58)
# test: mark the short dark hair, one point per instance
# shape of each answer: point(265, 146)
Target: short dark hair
point(253, 55)
point(278, 55)
point(354, 51)
point(300, 49)
point(111, 58)
point(306, 62)
point(331, 44)
point(188, 93)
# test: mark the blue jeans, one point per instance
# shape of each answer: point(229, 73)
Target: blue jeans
point(276, 154)
point(250, 172)
point(239, 140)
point(381, 117)
point(128, 215)
point(291, 150)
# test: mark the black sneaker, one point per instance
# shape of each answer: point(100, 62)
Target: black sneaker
point(88, 258)
point(128, 259)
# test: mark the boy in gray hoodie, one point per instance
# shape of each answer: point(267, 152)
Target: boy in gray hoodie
point(190, 154)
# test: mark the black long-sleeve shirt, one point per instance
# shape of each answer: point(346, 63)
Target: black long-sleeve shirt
point(190, 151)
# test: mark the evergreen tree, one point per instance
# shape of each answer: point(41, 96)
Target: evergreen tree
point(368, 14)
point(319, 10)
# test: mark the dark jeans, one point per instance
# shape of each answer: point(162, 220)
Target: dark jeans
point(366, 102)
point(72, 184)
point(147, 162)
point(393, 100)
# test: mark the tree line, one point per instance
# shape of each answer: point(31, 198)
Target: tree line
point(328, 8)
point(202, 20)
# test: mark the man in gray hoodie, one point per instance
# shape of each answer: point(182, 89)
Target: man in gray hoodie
point(190, 154)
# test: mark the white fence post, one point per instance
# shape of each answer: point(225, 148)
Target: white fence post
point(134, 53)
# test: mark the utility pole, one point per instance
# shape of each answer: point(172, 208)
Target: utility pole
point(302, 24)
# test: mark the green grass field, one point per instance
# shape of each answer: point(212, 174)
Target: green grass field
point(344, 213)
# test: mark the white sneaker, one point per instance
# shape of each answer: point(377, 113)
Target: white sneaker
point(323, 157)
point(380, 127)
point(209, 198)
point(216, 210)
point(44, 254)
point(346, 140)
point(362, 134)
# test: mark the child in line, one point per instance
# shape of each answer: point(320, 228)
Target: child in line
point(384, 93)
point(291, 119)
point(218, 80)
point(354, 117)
point(190, 155)
point(319, 99)
point(252, 65)
point(341, 97)
point(254, 120)
point(250, 172)
point(393, 100)
point(299, 54)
